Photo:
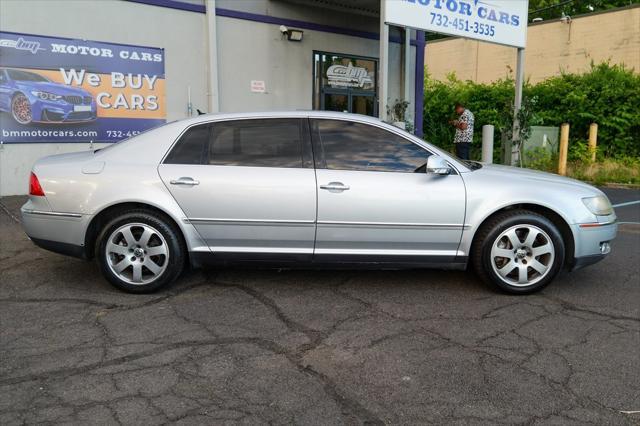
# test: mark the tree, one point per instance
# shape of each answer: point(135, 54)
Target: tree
point(552, 9)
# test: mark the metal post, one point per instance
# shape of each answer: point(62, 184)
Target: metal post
point(593, 140)
point(564, 149)
point(212, 49)
point(487, 143)
point(517, 105)
point(383, 76)
point(407, 73)
point(419, 84)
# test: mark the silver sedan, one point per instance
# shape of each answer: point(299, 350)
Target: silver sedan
point(308, 189)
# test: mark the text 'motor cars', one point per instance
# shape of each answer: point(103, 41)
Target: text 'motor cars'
point(308, 189)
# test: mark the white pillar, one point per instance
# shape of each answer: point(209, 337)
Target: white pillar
point(407, 71)
point(383, 73)
point(212, 49)
point(517, 105)
point(487, 143)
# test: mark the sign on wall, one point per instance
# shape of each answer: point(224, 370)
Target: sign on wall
point(497, 21)
point(258, 86)
point(67, 90)
point(339, 75)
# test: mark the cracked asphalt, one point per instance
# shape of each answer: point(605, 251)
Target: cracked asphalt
point(317, 347)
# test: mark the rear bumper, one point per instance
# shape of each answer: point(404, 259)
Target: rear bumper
point(61, 248)
point(55, 231)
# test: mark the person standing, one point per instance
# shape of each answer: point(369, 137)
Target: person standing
point(464, 131)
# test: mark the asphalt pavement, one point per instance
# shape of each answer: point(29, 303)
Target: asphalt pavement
point(237, 346)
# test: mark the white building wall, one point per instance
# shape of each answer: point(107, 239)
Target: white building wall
point(247, 50)
point(180, 33)
point(257, 51)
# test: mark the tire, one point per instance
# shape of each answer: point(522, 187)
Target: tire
point(21, 109)
point(140, 251)
point(518, 252)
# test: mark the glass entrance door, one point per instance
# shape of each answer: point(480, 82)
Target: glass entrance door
point(345, 83)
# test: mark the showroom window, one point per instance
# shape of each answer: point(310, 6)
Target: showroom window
point(345, 83)
point(356, 146)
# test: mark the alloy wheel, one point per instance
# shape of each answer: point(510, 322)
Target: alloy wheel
point(522, 255)
point(21, 109)
point(137, 253)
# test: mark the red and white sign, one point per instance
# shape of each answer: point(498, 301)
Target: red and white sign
point(258, 86)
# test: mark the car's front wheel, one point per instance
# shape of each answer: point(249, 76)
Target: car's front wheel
point(21, 109)
point(518, 251)
point(140, 252)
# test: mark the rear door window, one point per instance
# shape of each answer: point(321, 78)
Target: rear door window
point(258, 143)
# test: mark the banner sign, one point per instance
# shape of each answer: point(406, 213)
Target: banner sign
point(66, 90)
point(496, 21)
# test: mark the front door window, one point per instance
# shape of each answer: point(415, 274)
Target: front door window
point(345, 83)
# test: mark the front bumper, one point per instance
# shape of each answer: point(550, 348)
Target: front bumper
point(592, 243)
point(55, 231)
point(62, 112)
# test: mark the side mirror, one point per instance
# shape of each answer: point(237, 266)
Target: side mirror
point(438, 166)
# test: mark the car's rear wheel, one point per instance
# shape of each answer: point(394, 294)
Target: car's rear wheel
point(140, 252)
point(518, 251)
point(21, 109)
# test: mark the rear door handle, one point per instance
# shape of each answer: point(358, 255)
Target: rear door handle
point(335, 186)
point(185, 181)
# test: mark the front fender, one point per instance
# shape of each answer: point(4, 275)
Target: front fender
point(487, 195)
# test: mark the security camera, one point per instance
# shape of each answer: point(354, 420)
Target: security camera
point(283, 29)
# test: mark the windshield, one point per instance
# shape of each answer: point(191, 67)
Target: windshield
point(472, 165)
point(25, 76)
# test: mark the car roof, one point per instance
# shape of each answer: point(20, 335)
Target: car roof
point(207, 118)
point(280, 114)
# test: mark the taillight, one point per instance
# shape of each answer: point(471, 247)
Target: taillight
point(34, 186)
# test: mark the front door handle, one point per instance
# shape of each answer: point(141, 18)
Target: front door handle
point(335, 186)
point(185, 181)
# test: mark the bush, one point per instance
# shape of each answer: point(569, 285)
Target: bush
point(608, 95)
point(487, 102)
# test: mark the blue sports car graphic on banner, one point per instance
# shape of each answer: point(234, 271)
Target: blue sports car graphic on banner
point(65, 90)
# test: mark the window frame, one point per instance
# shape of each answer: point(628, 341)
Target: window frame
point(318, 147)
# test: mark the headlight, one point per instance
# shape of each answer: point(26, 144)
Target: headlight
point(600, 205)
point(46, 96)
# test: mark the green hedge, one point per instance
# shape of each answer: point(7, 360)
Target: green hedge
point(608, 95)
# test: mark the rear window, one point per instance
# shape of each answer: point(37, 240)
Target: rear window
point(192, 146)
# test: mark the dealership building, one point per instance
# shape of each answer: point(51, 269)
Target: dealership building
point(205, 55)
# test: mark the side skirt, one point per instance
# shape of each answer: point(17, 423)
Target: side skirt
point(326, 261)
